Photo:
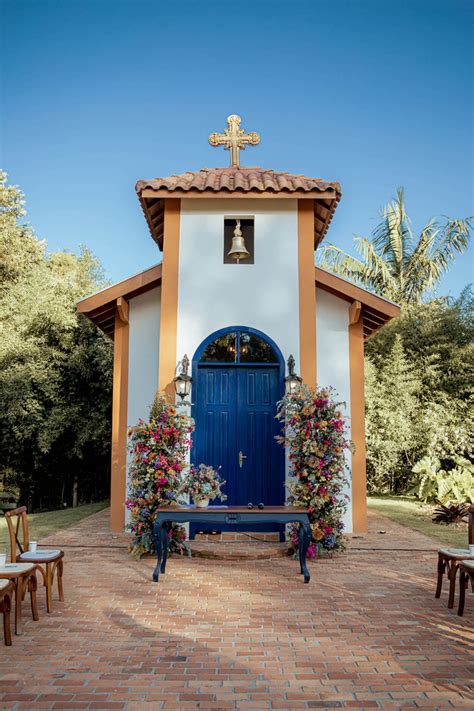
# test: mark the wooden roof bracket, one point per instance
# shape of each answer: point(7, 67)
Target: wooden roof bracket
point(355, 311)
point(122, 309)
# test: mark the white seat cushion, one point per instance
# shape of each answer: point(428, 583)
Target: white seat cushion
point(458, 552)
point(468, 564)
point(40, 555)
point(15, 568)
point(4, 584)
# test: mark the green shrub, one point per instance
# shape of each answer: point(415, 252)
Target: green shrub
point(438, 485)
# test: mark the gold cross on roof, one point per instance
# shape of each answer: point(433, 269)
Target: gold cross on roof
point(234, 139)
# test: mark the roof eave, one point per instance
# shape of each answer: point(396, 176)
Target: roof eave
point(149, 192)
point(101, 306)
point(325, 204)
point(376, 311)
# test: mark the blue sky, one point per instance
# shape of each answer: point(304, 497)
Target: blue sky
point(97, 94)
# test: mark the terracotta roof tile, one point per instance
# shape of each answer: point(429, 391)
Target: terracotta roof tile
point(236, 182)
point(238, 179)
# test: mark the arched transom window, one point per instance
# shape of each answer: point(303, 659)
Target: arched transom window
point(239, 347)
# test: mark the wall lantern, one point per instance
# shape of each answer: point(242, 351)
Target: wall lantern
point(182, 382)
point(292, 381)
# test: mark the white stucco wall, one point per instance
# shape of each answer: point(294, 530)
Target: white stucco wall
point(332, 357)
point(213, 295)
point(144, 341)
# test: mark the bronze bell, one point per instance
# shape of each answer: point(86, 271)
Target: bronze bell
point(238, 250)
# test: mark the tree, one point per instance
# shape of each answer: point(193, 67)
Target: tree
point(392, 413)
point(437, 373)
point(393, 263)
point(55, 368)
point(439, 337)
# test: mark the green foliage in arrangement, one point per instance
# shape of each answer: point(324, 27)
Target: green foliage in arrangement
point(396, 264)
point(55, 368)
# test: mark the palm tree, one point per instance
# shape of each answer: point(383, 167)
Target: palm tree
point(394, 264)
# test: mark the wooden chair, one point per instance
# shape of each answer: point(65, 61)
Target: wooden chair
point(6, 590)
point(49, 562)
point(23, 577)
point(466, 575)
point(449, 560)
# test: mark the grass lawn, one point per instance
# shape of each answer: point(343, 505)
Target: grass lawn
point(412, 514)
point(42, 524)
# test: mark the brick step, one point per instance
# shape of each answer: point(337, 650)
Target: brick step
point(237, 550)
point(237, 536)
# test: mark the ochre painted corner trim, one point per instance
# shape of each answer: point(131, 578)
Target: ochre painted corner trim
point(169, 297)
point(307, 292)
point(118, 478)
point(359, 481)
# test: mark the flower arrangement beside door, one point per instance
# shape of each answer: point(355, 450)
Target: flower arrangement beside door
point(203, 484)
point(159, 450)
point(316, 436)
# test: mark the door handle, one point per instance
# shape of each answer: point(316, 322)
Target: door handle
point(242, 456)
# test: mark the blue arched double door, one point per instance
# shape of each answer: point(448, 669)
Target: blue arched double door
point(237, 380)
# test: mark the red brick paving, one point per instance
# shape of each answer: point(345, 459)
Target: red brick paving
point(215, 634)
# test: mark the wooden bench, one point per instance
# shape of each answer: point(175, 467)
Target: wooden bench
point(230, 515)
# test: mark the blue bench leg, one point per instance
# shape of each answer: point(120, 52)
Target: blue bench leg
point(304, 538)
point(164, 544)
point(157, 539)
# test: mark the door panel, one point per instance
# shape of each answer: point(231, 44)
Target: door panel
point(214, 440)
point(235, 410)
point(261, 478)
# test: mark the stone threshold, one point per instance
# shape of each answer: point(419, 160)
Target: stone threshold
point(225, 549)
point(237, 536)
